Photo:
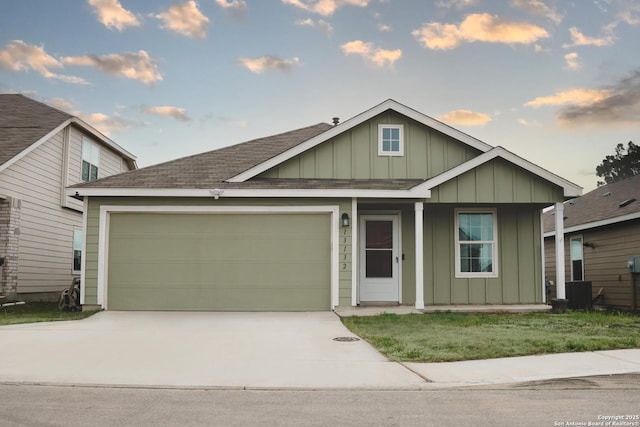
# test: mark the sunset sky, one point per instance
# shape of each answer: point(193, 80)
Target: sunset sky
point(556, 82)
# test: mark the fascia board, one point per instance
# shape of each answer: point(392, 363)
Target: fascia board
point(595, 224)
point(107, 141)
point(353, 122)
point(35, 145)
point(413, 193)
point(569, 189)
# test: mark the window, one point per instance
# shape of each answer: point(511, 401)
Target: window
point(77, 249)
point(576, 258)
point(90, 160)
point(476, 243)
point(390, 140)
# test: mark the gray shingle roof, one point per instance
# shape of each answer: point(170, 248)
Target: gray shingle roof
point(24, 121)
point(211, 169)
point(603, 203)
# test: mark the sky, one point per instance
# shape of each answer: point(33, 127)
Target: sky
point(556, 82)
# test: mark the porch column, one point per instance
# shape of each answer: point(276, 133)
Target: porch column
point(419, 211)
point(560, 291)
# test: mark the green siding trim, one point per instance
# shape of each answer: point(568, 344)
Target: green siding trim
point(519, 259)
point(497, 181)
point(354, 154)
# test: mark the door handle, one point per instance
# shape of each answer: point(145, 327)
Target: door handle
point(397, 260)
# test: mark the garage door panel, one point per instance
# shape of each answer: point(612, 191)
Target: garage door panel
point(219, 262)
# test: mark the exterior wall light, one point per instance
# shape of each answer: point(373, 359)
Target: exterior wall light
point(345, 219)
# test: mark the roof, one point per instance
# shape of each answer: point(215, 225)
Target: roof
point(605, 205)
point(26, 123)
point(212, 168)
point(23, 122)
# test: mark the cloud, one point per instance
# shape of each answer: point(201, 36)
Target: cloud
point(621, 105)
point(324, 7)
point(465, 118)
point(185, 19)
point(537, 7)
point(525, 122)
point(19, 56)
point(111, 14)
point(102, 122)
point(379, 57)
point(478, 28)
point(259, 65)
point(236, 8)
point(320, 24)
point(383, 27)
point(580, 97)
point(579, 39)
point(136, 66)
point(458, 4)
point(168, 111)
point(573, 61)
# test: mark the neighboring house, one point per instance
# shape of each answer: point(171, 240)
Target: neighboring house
point(602, 231)
point(389, 207)
point(42, 151)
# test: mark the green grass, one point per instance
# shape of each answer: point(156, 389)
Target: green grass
point(38, 312)
point(443, 337)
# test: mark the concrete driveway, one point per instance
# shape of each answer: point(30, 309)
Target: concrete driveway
point(197, 349)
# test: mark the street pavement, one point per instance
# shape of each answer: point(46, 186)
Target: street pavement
point(253, 351)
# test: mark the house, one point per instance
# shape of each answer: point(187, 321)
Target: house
point(42, 151)
point(602, 232)
point(388, 207)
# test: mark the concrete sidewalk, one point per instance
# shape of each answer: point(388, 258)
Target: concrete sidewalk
point(253, 350)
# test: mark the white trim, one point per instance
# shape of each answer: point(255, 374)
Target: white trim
point(570, 189)
point(400, 152)
point(542, 261)
point(419, 251)
point(83, 261)
point(560, 266)
point(595, 224)
point(421, 193)
point(354, 251)
point(106, 210)
point(389, 104)
point(494, 252)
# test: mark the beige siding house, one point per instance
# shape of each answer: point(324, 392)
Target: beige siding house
point(42, 151)
point(602, 232)
point(389, 207)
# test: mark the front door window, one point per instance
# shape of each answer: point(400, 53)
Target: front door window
point(379, 248)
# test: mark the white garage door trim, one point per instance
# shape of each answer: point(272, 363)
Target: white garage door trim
point(106, 210)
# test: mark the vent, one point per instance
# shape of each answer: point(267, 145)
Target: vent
point(626, 202)
point(607, 194)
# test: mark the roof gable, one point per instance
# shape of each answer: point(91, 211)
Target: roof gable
point(25, 124)
point(355, 121)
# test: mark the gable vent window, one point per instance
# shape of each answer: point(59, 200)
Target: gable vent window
point(390, 140)
point(626, 202)
point(90, 160)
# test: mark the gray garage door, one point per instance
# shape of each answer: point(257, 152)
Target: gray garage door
point(244, 262)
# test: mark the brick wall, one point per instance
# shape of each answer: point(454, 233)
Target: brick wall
point(9, 243)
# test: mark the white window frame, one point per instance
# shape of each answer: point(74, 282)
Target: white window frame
point(92, 158)
point(494, 252)
point(74, 249)
point(400, 151)
point(571, 259)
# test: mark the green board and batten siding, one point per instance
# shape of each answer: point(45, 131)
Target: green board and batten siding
point(354, 154)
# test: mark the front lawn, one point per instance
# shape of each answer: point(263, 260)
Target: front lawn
point(444, 337)
point(38, 312)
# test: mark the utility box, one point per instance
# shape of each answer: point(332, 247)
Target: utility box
point(578, 295)
point(634, 264)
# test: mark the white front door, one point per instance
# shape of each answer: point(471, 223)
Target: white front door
point(379, 258)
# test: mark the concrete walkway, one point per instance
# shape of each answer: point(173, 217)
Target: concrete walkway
point(252, 350)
